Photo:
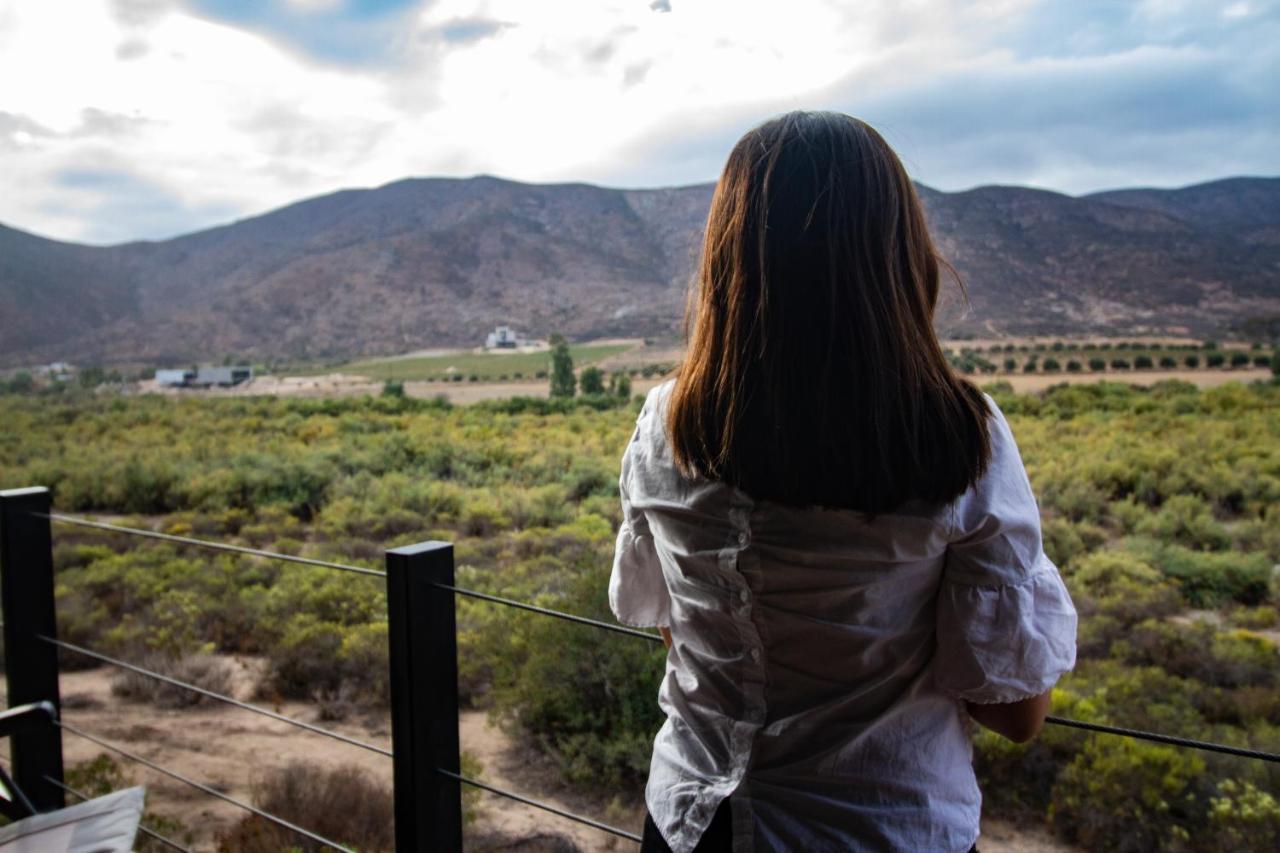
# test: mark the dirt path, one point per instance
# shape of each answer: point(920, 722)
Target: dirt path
point(230, 749)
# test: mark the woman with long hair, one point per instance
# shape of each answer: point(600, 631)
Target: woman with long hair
point(832, 530)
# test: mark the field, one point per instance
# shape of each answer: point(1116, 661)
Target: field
point(468, 365)
point(1160, 505)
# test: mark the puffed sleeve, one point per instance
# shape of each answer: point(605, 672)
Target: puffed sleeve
point(638, 592)
point(1006, 625)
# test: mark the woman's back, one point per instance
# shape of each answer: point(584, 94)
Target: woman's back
point(821, 659)
point(819, 655)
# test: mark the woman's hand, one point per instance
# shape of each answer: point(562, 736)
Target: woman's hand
point(1017, 721)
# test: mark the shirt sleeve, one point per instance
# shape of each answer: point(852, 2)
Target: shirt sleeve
point(1006, 626)
point(638, 592)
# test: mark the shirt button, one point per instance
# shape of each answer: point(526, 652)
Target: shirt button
point(755, 655)
point(744, 596)
point(742, 539)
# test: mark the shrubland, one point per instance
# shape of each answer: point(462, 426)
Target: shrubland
point(1161, 507)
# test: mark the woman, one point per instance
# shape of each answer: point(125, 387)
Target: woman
point(834, 533)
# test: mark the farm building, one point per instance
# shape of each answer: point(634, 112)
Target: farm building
point(503, 337)
point(204, 377)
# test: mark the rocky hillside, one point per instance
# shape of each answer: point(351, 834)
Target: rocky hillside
point(434, 262)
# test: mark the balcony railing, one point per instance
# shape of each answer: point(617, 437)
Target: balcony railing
point(421, 602)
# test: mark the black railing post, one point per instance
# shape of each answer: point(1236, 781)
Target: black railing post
point(30, 664)
point(424, 697)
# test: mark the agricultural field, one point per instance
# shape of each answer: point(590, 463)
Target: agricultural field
point(1161, 506)
point(468, 365)
point(1122, 358)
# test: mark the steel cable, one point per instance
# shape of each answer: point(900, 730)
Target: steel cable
point(1185, 743)
point(169, 842)
point(257, 709)
point(533, 608)
point(204, 543)
point(200, 786)
point(604, 827)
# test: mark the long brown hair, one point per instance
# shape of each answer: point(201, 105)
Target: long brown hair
point(813, 375)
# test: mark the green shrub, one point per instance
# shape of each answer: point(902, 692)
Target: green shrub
point(103, 775)
point(1243, 817)
point(1201, 652)
point(1126, 795)
point(591, 380)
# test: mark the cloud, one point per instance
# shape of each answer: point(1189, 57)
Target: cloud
point(357, 33)
point(467, 30)
point(121, 205)
point(229, 107)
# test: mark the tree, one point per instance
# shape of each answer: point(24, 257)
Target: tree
point(591, 381)
point(1051, 365)
point(1192, 361)
point(1215, 359)
point(1010, 365)
point(563, 382)
point(1275, 364)
point(1097, 364)
point(1142, 362)
point(21, 382)
point(620, 385)
point(1239, 359)
point(91, 376)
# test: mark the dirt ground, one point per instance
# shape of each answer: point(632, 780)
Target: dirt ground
point(229, 749)
point(1211, 378)
point(464, 393)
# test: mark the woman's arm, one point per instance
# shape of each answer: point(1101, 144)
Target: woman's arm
point(666, 636)
point(1017, 721)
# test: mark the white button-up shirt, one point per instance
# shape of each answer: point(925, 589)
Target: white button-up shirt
point(820, 656)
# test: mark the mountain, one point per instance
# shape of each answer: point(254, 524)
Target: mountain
point(433, 262)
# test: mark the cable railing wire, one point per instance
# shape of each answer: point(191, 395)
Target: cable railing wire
point(145, 830)
point(582, 620)
point(545, 611)
point(1052, 720)
point(1186, 743)
point(547, 807)
point(200, 786)
point(247, 706)
point(204, 543)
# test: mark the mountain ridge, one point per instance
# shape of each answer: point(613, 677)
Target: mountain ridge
point(424, 262)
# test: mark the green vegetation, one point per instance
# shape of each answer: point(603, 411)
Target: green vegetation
point(1137, 356)
point(485, 366)
point(563, 382)
point(102, 775)
point(1160, 505)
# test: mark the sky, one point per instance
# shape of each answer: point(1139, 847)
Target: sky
point(143, 119)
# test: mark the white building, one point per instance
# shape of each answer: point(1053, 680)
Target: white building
point(204, 376)
point(503, 337)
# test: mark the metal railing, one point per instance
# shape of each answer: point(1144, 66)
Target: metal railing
point(422, 636)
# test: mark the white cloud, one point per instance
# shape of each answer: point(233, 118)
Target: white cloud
point(220, 118)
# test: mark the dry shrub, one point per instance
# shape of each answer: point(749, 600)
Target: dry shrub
point(343, 804)
point(207, 671)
